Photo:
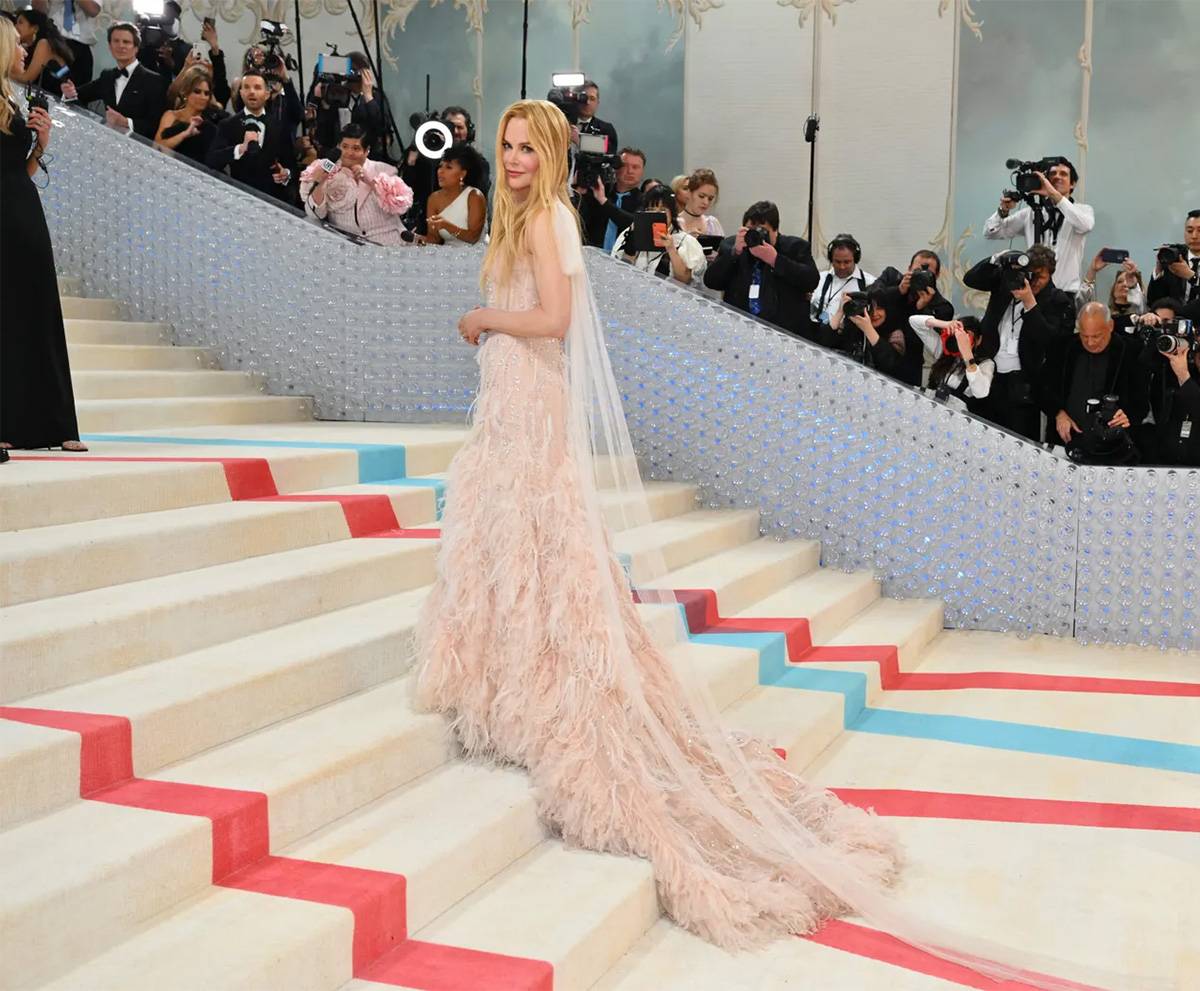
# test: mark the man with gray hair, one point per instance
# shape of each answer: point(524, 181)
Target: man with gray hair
point(1092, 389)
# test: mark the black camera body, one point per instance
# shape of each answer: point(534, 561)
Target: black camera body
point(1014, 269)
point(1026, 184)
point(271, 40)
point(856, 304)
point(1169, 254)
point(1100, 444)
point(919, 280)
point(156, 30)
point(592, 167)
point(1175, 336)
point(756, 237)
point(570, 100)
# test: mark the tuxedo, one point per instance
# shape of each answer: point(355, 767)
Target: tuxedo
point(254, 167)
point(143, 98)
point(1168, 284)
point(598, 126)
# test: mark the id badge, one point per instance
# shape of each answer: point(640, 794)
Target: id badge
point(1010, 346)
point(754, 290)
point(1185, 431)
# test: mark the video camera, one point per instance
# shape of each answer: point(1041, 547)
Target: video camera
point(336, 74)
point(271, 35)
point(593, 163)
point(156, 30)
point(568, 94)
point(1014, 269)
point(1026, 185)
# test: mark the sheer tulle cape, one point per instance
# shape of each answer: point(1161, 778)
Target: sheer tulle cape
point(770, 855)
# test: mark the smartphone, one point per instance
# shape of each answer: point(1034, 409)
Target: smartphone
point(210, 22)
point(659, 231)
point(1113, 255)
point(201, 52)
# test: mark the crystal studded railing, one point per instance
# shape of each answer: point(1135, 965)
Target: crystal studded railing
point(934, 502)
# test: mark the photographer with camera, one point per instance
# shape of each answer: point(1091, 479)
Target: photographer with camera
point(1177, 266)
point(1092, 388)
point(462, 127)
point(843, 275)
point(355, 194)
point(76, 20)
point(340, 100)
point(1051, 217)
point(1025, 313)
point(872, 327)
point(958, 376)
point(673, 252)
point(254, 148)
point(765, 273)
point(1170, 355)
point(133, 96)
point(919, 288)
point(606, 209)
point(589, 123)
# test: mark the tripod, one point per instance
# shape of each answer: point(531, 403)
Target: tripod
point(811, 127)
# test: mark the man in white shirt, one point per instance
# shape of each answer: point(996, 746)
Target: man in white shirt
point(76, 19)
point(842, 276)
point(1053, 219)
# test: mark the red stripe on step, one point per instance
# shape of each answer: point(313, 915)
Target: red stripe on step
point(240, 835)
point(703, 616)
point(376, 898)
point(1042, 811)
point(876, 945)
point(105, 743)
point(405, 534)
point(247, 478)
point(433, 967)
point(367, 515)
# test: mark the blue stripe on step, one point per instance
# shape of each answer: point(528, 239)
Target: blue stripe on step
point(774, 670)
point(437, 484)
point(375, 461)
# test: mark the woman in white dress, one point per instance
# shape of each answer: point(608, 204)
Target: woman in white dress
point(457, 211)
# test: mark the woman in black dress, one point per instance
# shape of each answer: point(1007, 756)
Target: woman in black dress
point(190, 125)
point(46, 50)
point(37, 406)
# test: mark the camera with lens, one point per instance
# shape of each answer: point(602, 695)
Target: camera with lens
point(1173, 336)
point(433, 141)
point(1100, 444)
point(919, 280)
point(570, 100)
point(1169, 254)
point(594, 166)
point(336, 74)
point(855, 304)
point(271, 35)
point(156, 30)
point(756, 237)
point(1014, 269)
point(1026, 183)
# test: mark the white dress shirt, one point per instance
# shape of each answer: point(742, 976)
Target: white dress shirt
point(979, 382)
point(123, 81)
point(827, 297)
point(83, 29)
point(1068, 243)
point(1007, 359)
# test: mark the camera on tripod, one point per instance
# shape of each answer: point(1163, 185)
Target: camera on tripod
point(336, 74)
point(1014, 269)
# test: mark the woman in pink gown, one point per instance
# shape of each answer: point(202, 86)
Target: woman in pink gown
point(531, 642)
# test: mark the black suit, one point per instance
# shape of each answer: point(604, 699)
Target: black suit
point(784, 290)
point(898, 352)
point(1171, 285)
point(1012, 402)
point(254, 167)
point(598, 126)
point(595, 216)
point(143, 100)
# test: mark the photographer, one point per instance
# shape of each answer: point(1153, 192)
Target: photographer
point(365, 108)
point(355, 194)
point(1092, 388)
point(133, 96)
point(606, 211)
point(1177, 267)
point(1025, 313)
point(958, 377)
point(919, 288)
point(162, 49)
point(1174, 389)
point(873, 328)
point(76, 19)
point(256, 149)
point(843, 275)
point(1052, 218)
point(676, 253)
point(765, 273)
point(589, 123)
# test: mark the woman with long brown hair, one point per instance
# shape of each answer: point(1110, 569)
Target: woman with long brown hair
point(37, 405)
point(189, 124)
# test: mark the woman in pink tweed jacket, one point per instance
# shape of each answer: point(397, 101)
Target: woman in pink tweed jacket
point(357, 195)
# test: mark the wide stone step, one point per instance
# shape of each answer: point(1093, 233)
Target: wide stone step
point(73, 638)
point(163, 384)
point(115, 332)
point(69, 901)
point(75, 557)
point(83, 308)
point(108, 415)
point(138, 357)
point(687, 538)
point(69, 285)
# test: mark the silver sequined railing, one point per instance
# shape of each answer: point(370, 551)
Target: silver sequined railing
point(934, 502)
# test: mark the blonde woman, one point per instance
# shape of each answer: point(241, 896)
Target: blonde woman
point(530, 639)
point(679, 188)
point(702, 192)
point(37, 406)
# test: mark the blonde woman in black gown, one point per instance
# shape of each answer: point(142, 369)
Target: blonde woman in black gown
point(37, 405)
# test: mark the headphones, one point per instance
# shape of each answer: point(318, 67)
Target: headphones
point(844, 241)
point(466, 114)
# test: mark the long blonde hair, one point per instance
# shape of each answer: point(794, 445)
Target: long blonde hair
point(8, 48)
point(550, 136)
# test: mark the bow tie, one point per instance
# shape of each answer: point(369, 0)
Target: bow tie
point(256, 118)
point(123, 72)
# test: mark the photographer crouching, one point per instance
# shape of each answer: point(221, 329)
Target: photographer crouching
point(1025, 313)
point(1092, 389)
point(765, 273)
point(872, 327)
point(355, 194)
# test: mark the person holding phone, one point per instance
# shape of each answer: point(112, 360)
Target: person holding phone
point(1127, 296)
point(655, 243)
point(255, 150)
